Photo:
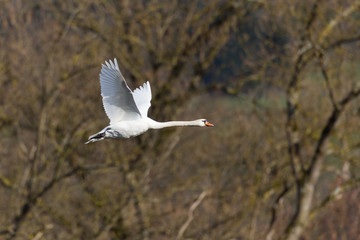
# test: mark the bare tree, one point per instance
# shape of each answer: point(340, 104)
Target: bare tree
point(279, 79)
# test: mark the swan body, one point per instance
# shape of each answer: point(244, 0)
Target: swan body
point(127, 110)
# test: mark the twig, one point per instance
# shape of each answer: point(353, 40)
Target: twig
point(270, 231)
point(336, 194)
point(331, 123)
point(335, 21)
point(327, 81)
point(191, 214)
point(342, 41)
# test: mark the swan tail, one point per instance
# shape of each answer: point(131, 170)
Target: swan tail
point(96, 137)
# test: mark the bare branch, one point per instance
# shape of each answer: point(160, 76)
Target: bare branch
point(31, 201)
point(327, 81)
point(342, 41)
point(330, 125)
point(311, 19)
point(305, 184)
point(296, 227)
point(270, 231)
point(332, 24)
point(191, 214)
point(336, 194)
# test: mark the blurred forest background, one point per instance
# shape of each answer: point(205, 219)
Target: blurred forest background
point(279, 79)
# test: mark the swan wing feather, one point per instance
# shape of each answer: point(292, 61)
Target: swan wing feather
point(142, 97)
point(118, 100)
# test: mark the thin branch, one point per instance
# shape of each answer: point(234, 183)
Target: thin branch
point(335, 21)
point(342, 41)
point(335, 195)
point(330, 125)
point(31, 201)
point(312, 17)
point(350, 96)
point(191, 214)
point(270, 231)
point(327, 81)
point(291, 128)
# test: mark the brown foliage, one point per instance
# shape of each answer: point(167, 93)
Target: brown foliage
point(281, 85)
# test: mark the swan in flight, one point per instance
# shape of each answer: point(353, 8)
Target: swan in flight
point(127, 110)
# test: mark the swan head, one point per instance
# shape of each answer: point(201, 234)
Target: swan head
point(205, 123)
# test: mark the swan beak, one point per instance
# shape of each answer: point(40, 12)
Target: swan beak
point(208, 124)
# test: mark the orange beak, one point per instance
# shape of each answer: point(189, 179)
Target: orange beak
point(208, 124)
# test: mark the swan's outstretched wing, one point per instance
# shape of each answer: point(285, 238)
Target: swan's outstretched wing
point(118, 99)
point(142, 97)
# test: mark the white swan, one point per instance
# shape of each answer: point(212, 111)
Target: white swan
point(126, 109)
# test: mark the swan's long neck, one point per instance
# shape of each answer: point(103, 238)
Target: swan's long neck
point(157, 125)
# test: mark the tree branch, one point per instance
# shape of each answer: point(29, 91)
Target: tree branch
point(296, 227)
point(335, 195)
point(335, 21)
point(31, 201)
point(327, 81)
point(270, 231)
point(191, 214)
point(342, 41)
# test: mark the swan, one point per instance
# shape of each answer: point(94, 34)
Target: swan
point(127, 110)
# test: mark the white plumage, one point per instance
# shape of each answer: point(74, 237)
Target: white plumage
point(118, 99)
point(126, 109)
point(142, 97)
